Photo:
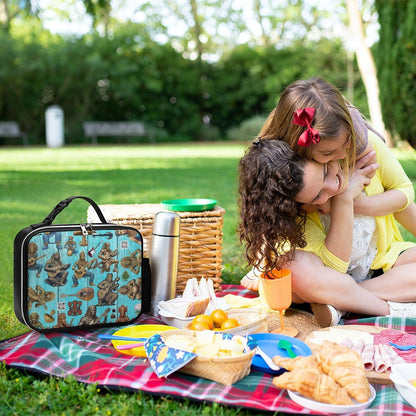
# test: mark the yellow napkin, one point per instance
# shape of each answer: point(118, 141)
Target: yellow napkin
point(236, 302)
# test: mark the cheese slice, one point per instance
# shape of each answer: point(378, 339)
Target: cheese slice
point(338, 335)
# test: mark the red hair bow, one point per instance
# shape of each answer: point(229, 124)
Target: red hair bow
point(304, 117)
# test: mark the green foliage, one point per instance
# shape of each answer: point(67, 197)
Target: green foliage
point(247, 130)
point(249, 81)
point(128, 76)
point(397, 67)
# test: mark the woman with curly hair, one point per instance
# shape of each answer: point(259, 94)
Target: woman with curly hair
point(319, 124)
point(351, 263)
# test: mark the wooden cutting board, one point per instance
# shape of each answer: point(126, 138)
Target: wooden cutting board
point(372, 376)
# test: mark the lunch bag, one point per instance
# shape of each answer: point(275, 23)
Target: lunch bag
point(79, 276)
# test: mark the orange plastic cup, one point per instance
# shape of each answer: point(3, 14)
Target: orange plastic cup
point(276, 274)
point(277, 289)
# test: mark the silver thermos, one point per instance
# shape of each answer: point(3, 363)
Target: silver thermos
point(164, 255)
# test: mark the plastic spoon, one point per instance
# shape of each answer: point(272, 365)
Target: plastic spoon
point(402, 347)
point(119, 338)
point(129, 346)
point(284, 344)
point(267, 359)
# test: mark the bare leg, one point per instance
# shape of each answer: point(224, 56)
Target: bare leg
point(315, 283)
point(397, 285)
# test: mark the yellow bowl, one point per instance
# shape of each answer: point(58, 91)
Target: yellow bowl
point(138, 331)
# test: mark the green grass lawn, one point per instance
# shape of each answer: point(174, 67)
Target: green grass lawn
point(34, 180)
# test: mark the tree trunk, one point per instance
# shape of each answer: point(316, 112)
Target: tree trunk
point(367, 69)
point(4, 16)
point(197, 31)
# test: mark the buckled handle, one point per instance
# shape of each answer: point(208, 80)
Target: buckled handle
point(64, 203)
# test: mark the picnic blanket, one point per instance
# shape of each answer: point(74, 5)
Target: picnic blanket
point(92, 360)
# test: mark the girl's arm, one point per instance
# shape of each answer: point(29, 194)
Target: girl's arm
point(407, 218)
point(397, 191)
point(340, 233)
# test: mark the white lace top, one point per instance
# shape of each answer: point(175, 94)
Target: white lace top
point(364, 247)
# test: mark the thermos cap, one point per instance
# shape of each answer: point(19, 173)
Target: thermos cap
point(167, 224)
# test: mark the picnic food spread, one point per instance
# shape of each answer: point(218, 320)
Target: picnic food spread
point(37, 352)
point(335, 371)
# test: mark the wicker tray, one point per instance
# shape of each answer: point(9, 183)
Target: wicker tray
point(303, 321)
point(252, 321)
point(200, 243)
point(224, 370)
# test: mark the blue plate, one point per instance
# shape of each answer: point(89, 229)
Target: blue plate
point(268, 343)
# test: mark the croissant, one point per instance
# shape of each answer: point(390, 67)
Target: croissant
point(345, 366)
point(312, 383)
point(298, 362)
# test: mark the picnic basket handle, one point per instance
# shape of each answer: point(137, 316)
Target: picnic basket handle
point(64, 203)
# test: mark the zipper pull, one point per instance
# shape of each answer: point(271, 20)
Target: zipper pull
point(83, 229)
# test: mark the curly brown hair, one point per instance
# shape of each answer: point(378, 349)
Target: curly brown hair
point(271, 222)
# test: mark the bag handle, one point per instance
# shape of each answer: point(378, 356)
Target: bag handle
point(64, 203)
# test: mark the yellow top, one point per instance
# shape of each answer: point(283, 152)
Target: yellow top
point(390, 243)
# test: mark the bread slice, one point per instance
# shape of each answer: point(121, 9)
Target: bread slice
point(184, 308)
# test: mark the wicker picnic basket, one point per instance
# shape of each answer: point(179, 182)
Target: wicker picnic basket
point(252, 321)
point(224, 370)
point(200, 243)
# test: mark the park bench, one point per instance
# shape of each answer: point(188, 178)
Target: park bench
point(95, 129)
point(10, 129)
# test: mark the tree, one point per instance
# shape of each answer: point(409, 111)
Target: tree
point(285, 21)
point(395, 57)
point(99, 10)
point(367, 68)
point(10, 9)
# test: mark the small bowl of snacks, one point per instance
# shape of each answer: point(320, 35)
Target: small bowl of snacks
point(233, 321)
point(224, 358)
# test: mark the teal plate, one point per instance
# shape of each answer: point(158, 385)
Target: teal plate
point(189, 204)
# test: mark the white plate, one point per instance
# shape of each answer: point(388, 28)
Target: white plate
point(172, 321)
point(400, 375)
point(331, 408)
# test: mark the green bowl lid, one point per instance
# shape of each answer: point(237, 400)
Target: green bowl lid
point(193, 204)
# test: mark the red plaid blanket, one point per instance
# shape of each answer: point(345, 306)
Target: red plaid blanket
point(92, 360)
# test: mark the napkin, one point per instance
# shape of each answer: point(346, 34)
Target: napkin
point(163, 359)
